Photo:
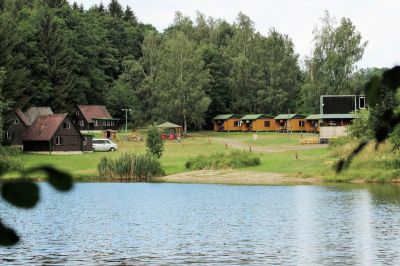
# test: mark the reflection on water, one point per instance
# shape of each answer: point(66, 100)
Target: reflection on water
point(144, 224)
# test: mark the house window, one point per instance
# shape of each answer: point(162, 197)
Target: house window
point(237, 123)
point(9, 135)
point(361, 102)
point(301, 123)
point(112, 123)
point(58, 141)
point(81, 123)
point(77, 112)
point(267, 123)
point(84, 141)
point(96, 123)
point(67, 125)
point(16, 121)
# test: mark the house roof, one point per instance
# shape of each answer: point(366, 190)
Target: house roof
point(337, 116)
point(225, 117)
point(33, 112)
point(94, 111)
point(168, 125)
point(44, 127)
point(288, 116)
point(313, 117)
point(255, 117)
point(22, 116)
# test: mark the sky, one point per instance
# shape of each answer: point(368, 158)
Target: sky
point(377, 21)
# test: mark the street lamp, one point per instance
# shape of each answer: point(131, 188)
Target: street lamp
point(126, 117)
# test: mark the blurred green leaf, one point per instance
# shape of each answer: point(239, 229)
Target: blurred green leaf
point(8, 236)
point(21, 193)
point(391, 78)
point(60, 180)
point(373, 90)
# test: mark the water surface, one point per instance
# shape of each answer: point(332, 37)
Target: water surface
point(145, 224)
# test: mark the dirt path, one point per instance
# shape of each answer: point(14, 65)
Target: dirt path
point(236, 143)
point(233, 177)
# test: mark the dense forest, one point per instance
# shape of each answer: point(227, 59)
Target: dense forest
point(58, 54)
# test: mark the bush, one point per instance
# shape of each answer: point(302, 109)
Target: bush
point(154, 142)
point(340, 141)
point(8, 162)
point(133, 167)
point(235, 159)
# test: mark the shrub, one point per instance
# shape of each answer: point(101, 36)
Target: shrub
point(133, 167)
point(154, 142)
point(235, 159)
point(8, 162)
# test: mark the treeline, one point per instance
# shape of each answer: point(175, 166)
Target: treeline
point(57, 54)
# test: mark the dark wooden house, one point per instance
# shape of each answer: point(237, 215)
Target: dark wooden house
point(94, 117)
point(54, 133)
point(17, 122)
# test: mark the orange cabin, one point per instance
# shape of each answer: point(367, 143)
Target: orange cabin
point(227, 122)
point(290, 122)
point(312, 123)
point(259, 122)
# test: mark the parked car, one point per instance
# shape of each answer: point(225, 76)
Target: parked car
point(104, 145)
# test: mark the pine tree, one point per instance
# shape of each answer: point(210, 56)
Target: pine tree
point(115, 9)
point(129, 15)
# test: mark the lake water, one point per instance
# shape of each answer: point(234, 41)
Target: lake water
point(146, 224)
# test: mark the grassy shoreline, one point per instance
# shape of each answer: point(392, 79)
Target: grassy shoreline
point(297, 163)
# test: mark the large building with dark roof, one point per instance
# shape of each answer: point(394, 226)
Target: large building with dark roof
point(54, 133)
point(94, 117)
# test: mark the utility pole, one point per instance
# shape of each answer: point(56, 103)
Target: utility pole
point(126, 117)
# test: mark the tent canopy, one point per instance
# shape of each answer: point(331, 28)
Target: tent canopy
point(168, 125)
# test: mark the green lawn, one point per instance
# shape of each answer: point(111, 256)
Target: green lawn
point(309, 162)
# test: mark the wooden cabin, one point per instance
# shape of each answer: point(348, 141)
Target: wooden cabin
point(54, 133)
point(227, 122)
point(290, 122)
point(312, 123)
point(259, 122)
point(17, 122)
point(94, 117)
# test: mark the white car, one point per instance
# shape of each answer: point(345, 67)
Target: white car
point(104, 145)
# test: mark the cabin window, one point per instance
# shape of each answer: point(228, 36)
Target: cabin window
point(96, 123)
point(77, 112)
point(84, 141)
point(361, 102)
point(237, 123)
point(9, 135)
point(16, 121)
point(81, 123)
point(58, 141)
point(67, 125)
point(112, 123)
point(267, 123)
point(301, 123)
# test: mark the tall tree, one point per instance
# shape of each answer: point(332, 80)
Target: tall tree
point(57, 72)
point(337, 49)
point(12, 60)
point(115, 9)
point(181, 80)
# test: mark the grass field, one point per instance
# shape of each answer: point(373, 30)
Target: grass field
point(315, 162)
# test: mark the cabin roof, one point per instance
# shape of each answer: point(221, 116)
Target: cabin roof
point(313, 117)
point(168, 125)
point(44, 127)
point(225, 116)
point(23, 117)
point(288, 116)
point(99, 112)
point(255, 117)
point(33, 112)
point(337, 116)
